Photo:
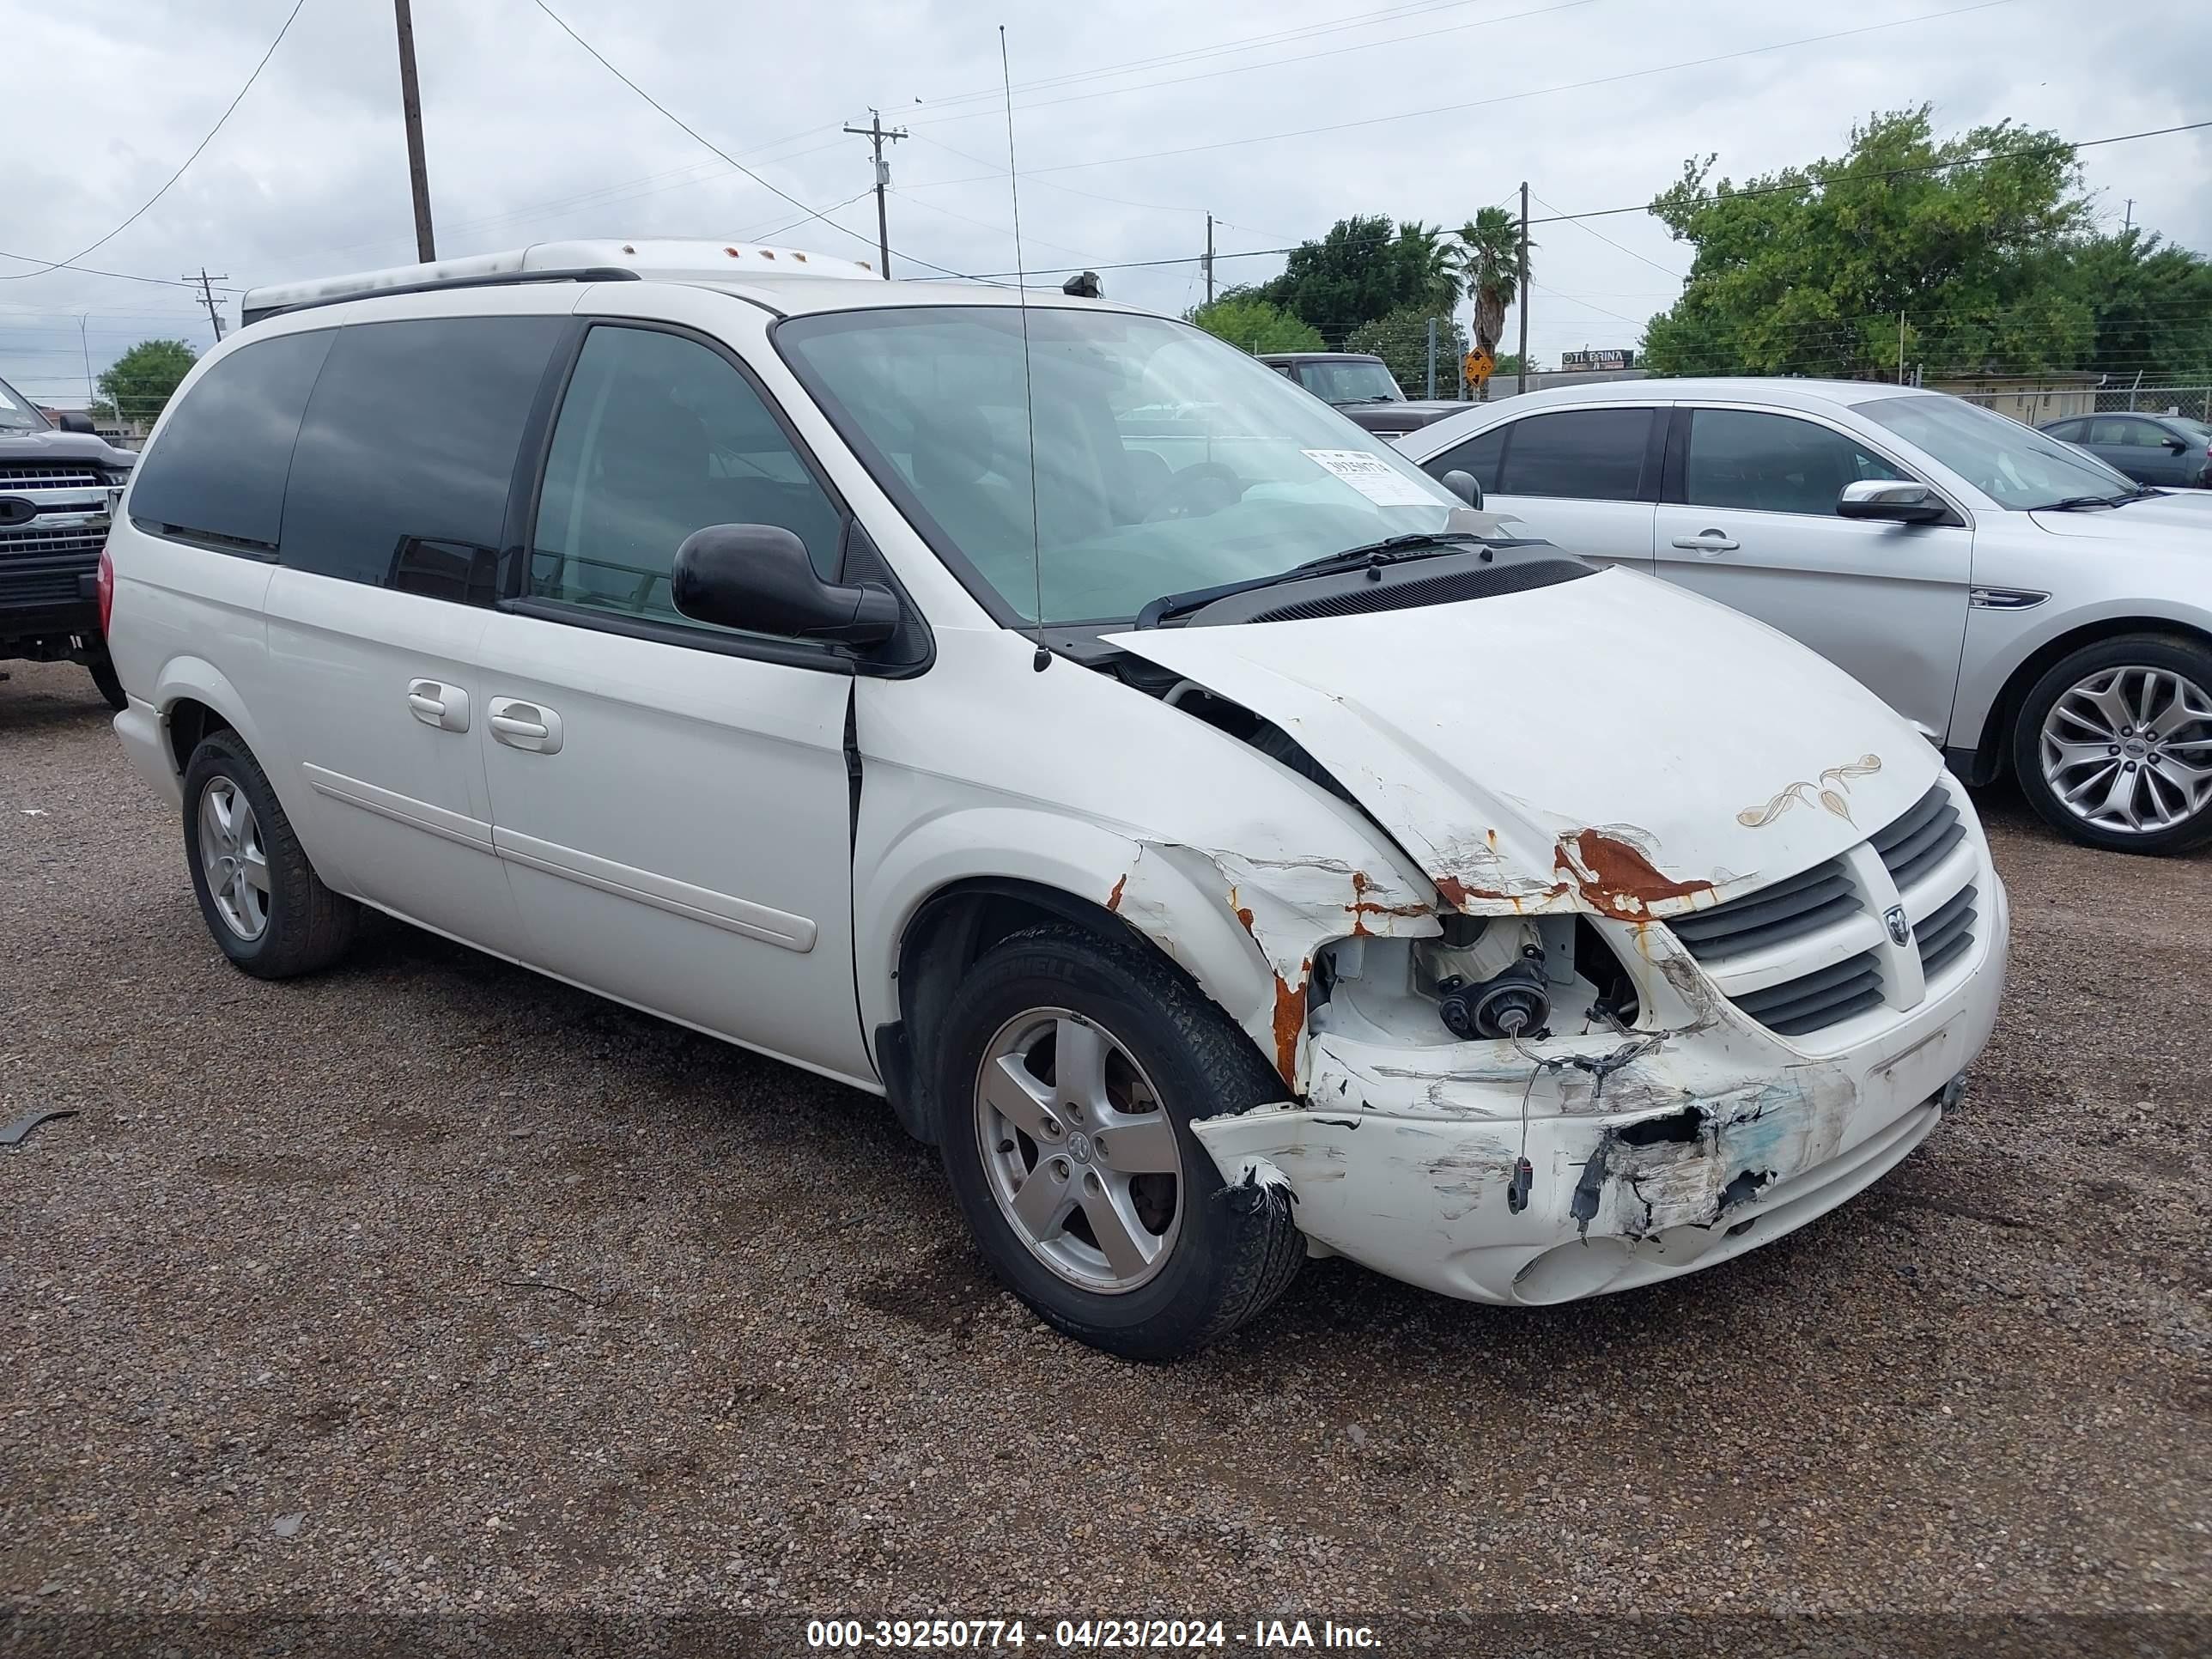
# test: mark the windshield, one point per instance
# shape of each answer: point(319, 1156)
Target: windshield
point(2195, 429)
point(2014, 466)
point(16, 413)
point(1165, 460)
point(1355, 382)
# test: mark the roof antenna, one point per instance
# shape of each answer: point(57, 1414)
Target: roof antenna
point(1043, 660)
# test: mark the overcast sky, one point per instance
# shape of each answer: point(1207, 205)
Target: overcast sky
point(1137, 118)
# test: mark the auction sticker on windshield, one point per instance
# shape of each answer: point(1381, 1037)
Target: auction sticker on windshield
point(1372, 477)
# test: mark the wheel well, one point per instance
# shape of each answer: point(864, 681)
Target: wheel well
point(1993, 755)
point(189, 722)
point(949, 935)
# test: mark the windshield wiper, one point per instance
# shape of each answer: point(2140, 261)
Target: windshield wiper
point(2075, 503)
point(1391, 549)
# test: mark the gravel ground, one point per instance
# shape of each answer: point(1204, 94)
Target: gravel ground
point(429, 1285)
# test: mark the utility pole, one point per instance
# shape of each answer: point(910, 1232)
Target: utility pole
point(1900, 345)
point(1208, 261)
point(875, 132)
point(207, 293)
point(84, 344)
point(410, 106)
point(1520, 377)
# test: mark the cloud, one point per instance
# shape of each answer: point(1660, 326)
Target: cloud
point(530, 139)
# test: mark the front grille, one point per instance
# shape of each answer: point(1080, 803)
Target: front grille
point(1818, 999)
point(26, 543)
point(1827, 921)
point(23, 475)
point(1802, 904)
point(28, 587)
point(1946, 933)
point(1920, 839)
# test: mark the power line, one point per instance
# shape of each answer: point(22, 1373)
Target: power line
point(1511, 97)
point(701, 139)
point(17, 277)
point(1247, 43)
point(1708, 200)
point(1609, 242)
point(1274, 62)
point(1893, 173)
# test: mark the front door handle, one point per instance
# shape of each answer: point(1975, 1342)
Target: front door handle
point(530, 725)
point(1707, 542)
point(446, 707)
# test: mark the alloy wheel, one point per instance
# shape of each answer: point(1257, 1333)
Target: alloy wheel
point(233, 858)
point(1078, 1150)
point(2128, 750)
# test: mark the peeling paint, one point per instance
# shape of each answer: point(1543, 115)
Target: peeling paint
point(1615, 872)
point(1113, 898)
point(1692, 1164)
point(1290, 1022)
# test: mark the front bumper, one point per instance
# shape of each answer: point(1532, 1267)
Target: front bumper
point(1696, 1152)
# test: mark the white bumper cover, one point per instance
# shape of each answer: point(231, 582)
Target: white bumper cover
point(1683, 1157)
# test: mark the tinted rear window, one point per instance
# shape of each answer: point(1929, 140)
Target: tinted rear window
point(401, 474)
point(1583, 454)
point(218, 468)
point(1478, 456)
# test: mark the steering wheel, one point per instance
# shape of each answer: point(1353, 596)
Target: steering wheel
point(1197, 490)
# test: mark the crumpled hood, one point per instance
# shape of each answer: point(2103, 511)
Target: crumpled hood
point(2180, 519)
point(1610, 744)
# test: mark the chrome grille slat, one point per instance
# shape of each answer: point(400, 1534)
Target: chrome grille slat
point(14, 544)
point(21, 475)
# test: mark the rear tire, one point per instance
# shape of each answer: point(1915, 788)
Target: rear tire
point(102, 668)
point(2109, 740)
point(261, 899)
point(1194, 1257)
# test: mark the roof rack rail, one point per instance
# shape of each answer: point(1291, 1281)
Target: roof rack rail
point(439, 284)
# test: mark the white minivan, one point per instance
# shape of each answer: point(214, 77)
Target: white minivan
point(1221, 843)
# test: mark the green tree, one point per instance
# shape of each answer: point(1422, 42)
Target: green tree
point(2151, 303)
point(1363, 269)
point(139, 384)
point(1249, 322)
point(1807, 270)
point(1401, 341)
point(1486, 258)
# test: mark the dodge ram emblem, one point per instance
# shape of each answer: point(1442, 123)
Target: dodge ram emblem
point(1900, 930)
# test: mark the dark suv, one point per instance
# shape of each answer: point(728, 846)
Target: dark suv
point(1361, 387)
point(54, 484)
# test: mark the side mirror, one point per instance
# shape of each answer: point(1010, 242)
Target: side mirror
point(2177, 446)
point(74, 420)
point(1463, 484)
point(1898, 500)
point(757, 577)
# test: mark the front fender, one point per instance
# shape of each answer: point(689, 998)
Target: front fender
point(1245, 928)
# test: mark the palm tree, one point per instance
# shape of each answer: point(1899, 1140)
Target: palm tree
point(1487, 264)
point(1430, 264)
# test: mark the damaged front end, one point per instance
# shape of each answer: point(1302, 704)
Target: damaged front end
point(1594, 1153)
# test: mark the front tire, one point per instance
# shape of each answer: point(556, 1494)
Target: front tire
point(2114, 744)
point(262, 901)
point(1069, 1069)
